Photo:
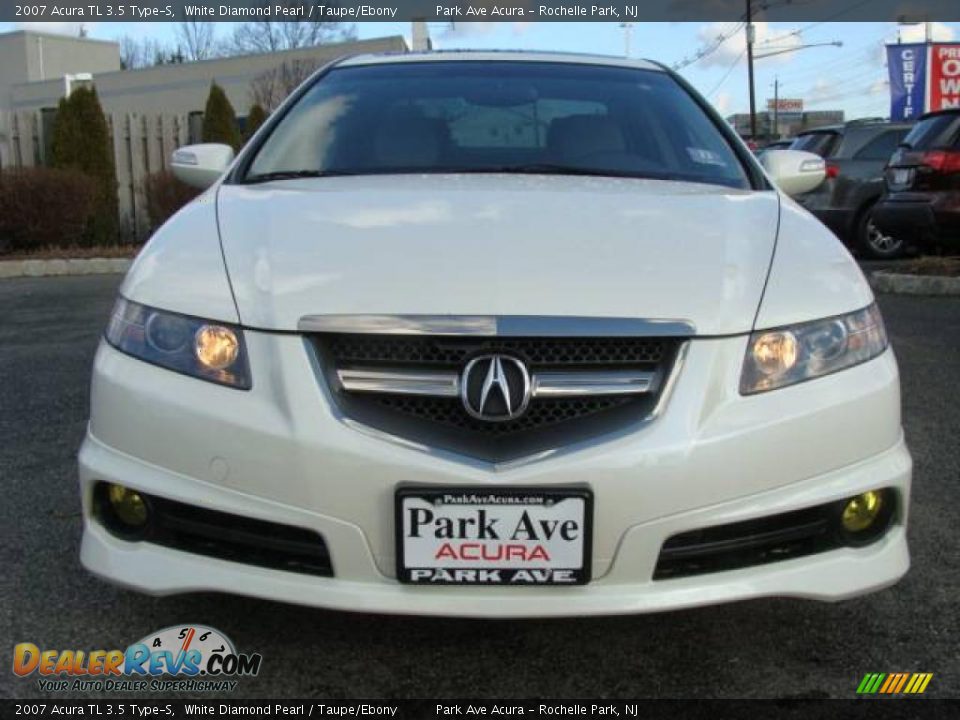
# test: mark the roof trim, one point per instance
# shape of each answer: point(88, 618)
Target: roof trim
point(330, 50)
point(58, 36)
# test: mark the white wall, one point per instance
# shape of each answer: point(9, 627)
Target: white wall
point(182, 89)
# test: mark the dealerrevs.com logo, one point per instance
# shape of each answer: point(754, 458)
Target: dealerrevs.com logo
point(196, 657)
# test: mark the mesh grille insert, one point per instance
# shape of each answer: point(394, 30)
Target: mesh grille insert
point(442, 422)
point(538, 352)
point(542, 413)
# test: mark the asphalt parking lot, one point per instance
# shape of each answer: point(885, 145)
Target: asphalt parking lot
point(49, 329)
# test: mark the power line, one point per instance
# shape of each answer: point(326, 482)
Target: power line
point(834, 97)
point(845, 56)
point(727, 73)
point(797, 33)
point(710, 48)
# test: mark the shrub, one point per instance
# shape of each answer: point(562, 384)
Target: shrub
point(81, 142)
point(165, 195)
point(42, 207)
point(255, 118)
point(219, 120)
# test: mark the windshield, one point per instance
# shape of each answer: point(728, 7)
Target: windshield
point(934, 131)
point(466, 116)
point(820, 143)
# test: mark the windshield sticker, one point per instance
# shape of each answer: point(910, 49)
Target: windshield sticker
point(705, 157)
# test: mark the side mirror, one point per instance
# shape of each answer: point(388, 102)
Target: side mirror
point(201, 165)
point(794, 171)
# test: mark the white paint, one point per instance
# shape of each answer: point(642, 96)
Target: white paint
point(496, 245)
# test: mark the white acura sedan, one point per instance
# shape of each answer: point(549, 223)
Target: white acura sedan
point(496, 334)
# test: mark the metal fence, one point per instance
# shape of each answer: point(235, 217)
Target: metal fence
point(141, 144)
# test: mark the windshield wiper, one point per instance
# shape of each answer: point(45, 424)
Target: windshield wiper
point(293, 175)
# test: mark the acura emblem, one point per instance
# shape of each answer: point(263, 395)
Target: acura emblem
point(495, 387)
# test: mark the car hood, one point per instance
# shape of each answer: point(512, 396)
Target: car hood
point(497, 245)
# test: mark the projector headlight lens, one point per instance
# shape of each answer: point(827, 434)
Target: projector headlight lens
point(192, 346)
point(786, 356)
point(216, 346)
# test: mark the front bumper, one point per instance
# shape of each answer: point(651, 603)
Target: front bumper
point(281, 453)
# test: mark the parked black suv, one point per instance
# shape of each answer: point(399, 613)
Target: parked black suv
point(856, 154)
point(922, 203)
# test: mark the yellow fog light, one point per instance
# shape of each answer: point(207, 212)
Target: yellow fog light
point(127, 505)
point(216, 347)
point(861, 511)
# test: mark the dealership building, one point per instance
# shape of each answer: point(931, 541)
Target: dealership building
point(787, 123)
point(169, 88)
point(37, 69)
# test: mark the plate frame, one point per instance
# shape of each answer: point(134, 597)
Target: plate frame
point(562, 491)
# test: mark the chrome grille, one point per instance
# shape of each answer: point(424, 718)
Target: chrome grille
point(409, 386)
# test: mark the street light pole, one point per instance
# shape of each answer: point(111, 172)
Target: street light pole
point(783, 51)
point(753, 99)
point(627, 32)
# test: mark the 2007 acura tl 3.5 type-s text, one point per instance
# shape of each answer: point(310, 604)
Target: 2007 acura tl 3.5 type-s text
point(496, 334)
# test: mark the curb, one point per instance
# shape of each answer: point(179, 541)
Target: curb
point(60, 266)
point(902, 284)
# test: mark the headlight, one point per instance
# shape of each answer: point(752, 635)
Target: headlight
point(204, 349)
point(789, 355)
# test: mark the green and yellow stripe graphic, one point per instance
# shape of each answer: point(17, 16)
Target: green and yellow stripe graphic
point(894, 683)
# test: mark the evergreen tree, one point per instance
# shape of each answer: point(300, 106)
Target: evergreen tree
point(81, 141)
point(219, 120)
point(255, 118)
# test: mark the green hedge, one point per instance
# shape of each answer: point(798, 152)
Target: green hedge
point(42, 207)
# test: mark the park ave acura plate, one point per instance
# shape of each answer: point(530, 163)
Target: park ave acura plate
point(513, 536)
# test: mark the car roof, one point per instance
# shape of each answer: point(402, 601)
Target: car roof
point(821, 129)
point(857, 125)
point(941, 111)
point(497, 55)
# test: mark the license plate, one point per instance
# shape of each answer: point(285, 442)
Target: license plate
point(901, 177)
point(470, 536)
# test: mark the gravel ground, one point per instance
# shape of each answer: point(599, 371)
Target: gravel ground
point(765, 648)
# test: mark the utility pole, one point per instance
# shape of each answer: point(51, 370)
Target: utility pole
point(776, 107)
point(753, 99)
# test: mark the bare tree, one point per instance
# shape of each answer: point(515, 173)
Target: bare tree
point(146, 52)
point(271, 88)
point(197, 39)
point(264, 37)
point(136, 53)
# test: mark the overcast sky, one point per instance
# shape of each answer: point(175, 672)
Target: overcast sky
point(851, 78)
